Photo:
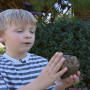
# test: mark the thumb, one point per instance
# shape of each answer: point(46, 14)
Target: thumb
point(59, 80)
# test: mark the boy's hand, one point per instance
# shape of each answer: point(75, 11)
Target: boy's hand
point(61, 84)
point(50, 73)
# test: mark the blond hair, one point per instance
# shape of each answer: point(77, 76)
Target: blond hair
point(16, 16)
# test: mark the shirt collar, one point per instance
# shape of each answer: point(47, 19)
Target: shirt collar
point(17, 61)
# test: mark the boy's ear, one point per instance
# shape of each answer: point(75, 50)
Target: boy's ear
point(2, 38)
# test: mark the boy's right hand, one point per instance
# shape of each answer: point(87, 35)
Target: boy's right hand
point(51, 72)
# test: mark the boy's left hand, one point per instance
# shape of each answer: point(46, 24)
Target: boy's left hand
point(61, 84)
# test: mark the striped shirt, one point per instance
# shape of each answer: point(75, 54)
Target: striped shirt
point(15, 74)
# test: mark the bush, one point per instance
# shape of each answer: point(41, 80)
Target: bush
point(2, 50)
point(69, 37)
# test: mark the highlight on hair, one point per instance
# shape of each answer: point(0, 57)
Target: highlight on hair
point(17, 16)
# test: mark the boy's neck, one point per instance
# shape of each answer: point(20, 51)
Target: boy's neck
point(17, 55)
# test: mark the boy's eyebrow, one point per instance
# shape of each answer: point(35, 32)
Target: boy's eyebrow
point(24, 27)
point(32, 28)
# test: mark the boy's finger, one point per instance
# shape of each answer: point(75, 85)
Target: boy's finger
point(52, 59)
point(70, 80)
point(78, 73)
point(60, 73)
point(76, 79)
point(56, 61)
point(59, 64)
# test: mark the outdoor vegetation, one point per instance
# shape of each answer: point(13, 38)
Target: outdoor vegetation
point(64, 31)
point(68, 36)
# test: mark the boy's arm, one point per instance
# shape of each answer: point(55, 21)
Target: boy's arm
point(31, 86)
point(48, 75)
point(55, 89)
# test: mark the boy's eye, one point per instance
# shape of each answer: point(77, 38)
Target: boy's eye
point(20, 31)
point(32, 31)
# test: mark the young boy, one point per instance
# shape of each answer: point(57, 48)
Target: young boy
point(21, 70)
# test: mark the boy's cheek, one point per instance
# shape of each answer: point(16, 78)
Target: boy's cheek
point(18, 38)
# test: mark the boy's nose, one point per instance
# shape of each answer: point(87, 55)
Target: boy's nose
point(27, 35)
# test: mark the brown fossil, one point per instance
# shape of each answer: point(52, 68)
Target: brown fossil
point(72, 63)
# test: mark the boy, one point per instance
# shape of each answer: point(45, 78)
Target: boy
point(21, 70)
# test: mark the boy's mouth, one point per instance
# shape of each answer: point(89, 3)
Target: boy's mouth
point(27, 43)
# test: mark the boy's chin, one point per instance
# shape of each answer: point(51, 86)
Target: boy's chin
point(26, 50)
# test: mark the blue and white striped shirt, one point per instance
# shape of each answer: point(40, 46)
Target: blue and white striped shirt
point(15, 74)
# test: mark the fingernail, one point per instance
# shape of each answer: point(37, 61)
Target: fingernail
point(61, 53)
point(56, 53)
point(71, 76)
point(67, 80)
point(74, 75)
point(65, 68)
point(63, 58)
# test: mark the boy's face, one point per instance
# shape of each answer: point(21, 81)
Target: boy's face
point(19, 38)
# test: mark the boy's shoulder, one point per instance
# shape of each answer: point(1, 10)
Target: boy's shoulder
point(37, 57)
point(31, 58)
point(1, 62)
point(1, 58)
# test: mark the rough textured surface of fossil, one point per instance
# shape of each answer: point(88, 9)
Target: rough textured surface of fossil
point(72, 63)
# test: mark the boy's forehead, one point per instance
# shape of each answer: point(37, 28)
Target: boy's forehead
point(23, 25)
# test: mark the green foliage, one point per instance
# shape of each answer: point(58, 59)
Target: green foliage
point(70, 37)
point(2, 50)
point(81, 5)
point(15, 4)
point(41, 5)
